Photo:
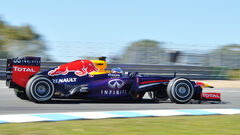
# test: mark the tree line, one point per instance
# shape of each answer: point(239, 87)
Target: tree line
point(20, 40)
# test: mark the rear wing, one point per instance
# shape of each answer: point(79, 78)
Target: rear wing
point(19, 70)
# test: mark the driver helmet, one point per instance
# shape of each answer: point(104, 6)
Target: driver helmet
point(117, 70)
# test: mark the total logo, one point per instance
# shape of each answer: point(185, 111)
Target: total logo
point(116, 83)
point(19, 69)
point(211, 96)
point(64, 80)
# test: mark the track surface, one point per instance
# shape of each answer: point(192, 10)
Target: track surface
point(10, 104)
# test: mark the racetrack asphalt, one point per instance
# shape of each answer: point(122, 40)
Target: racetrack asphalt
point(10, 104)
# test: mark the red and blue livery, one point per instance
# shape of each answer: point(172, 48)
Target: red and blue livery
point(89, 79)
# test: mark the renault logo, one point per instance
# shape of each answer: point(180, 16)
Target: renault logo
point(116, 83)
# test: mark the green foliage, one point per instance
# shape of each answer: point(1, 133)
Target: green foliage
point(219, 72)
point(19, 33)
point(144, 44)
point(232, 49)
point(234, 74)
point(3, 54)
point(142, 51)
point(18, 41)
point(228, 56)
point(8, 32)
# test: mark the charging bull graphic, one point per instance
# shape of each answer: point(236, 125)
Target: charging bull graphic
point(79, 67)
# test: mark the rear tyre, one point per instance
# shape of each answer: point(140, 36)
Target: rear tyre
point(180, 90)
point(39, 89)
point(161, 93)
point(20, 94)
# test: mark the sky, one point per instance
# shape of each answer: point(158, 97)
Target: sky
point(94, 27)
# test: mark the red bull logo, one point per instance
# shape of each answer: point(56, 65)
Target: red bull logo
point(200, 84)
point(79, 67)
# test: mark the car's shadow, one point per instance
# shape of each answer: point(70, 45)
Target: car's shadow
point(143, 101)
point(79, 101)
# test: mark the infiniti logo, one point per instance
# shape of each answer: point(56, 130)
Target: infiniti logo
point(17, 61)
point(116, 83)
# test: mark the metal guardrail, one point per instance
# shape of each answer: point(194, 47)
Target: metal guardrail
point(192, 72)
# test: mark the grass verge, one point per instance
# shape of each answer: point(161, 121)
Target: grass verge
point(179, 125)
point(234, 74)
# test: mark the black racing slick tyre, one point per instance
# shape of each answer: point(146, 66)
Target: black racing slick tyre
point(39, 89)
point(180, 90)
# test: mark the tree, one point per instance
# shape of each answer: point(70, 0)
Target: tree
point(3, 53)
point(143, 51)
point(228, 55)
point(18, 41)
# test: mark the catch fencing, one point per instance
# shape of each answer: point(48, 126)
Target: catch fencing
point(192, 72)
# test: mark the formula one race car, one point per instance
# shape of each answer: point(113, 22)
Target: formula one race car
point(88, 79)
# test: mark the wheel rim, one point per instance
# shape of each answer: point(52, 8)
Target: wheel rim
point(42, 89)
point(182, 90)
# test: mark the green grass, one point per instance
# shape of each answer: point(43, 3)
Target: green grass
point(234, 74)
point(179, 125)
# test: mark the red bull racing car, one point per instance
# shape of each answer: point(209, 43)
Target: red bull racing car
point(89, 79)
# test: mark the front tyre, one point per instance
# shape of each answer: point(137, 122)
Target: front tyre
point(180, 90)
point(39, 89)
